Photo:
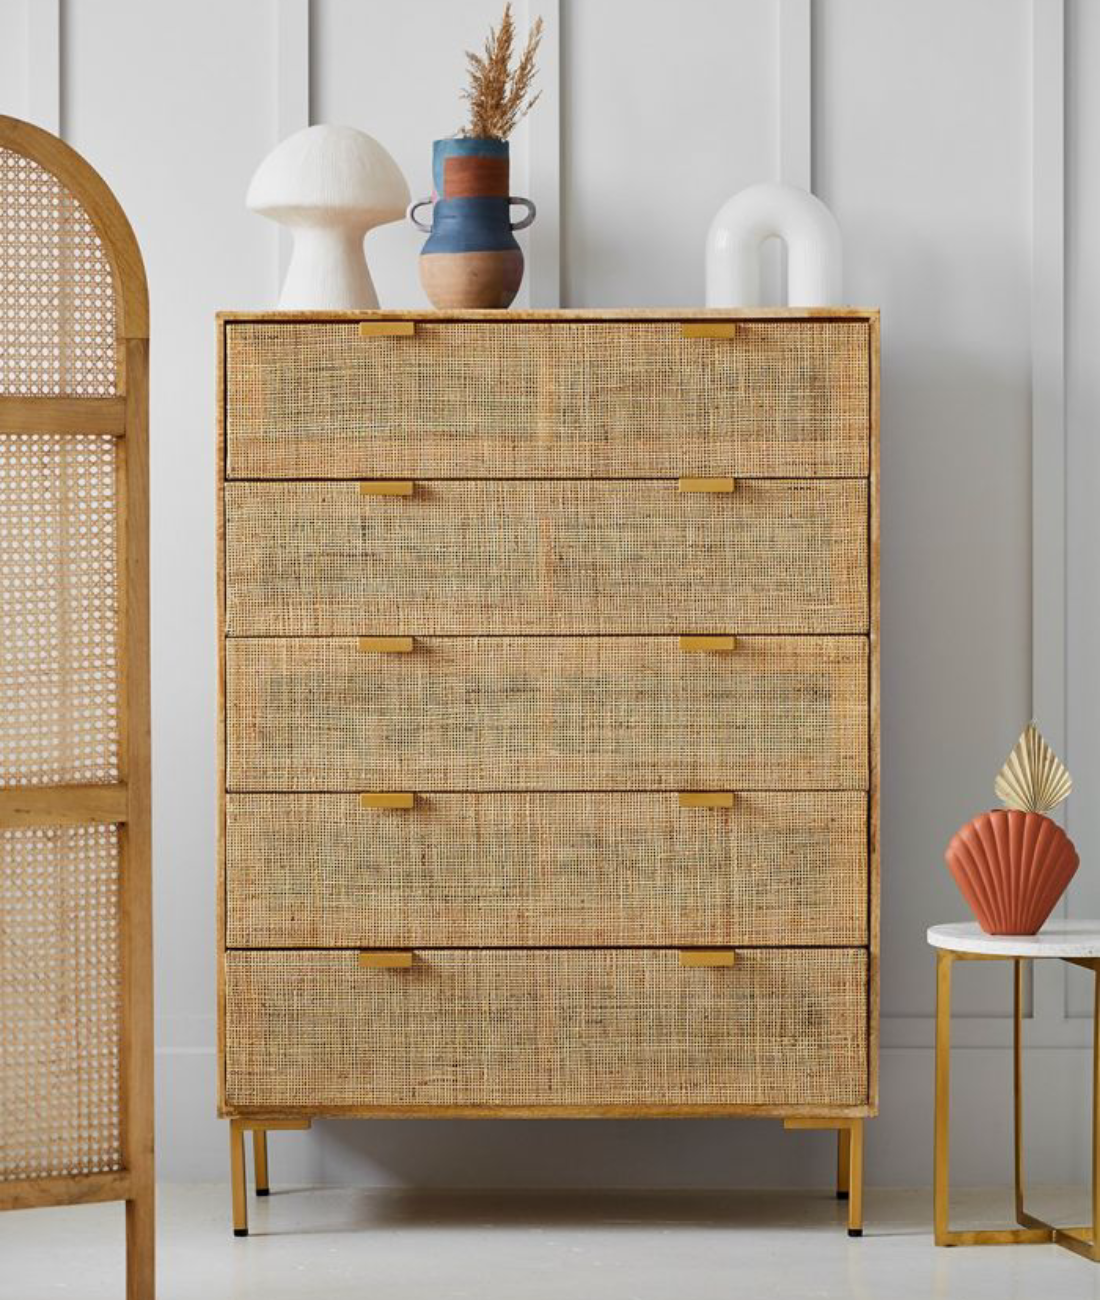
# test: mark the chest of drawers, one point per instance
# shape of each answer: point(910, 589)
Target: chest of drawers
point(549, 725)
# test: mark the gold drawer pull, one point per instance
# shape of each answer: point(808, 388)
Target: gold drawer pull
point(708, 484)
point(706, 798)
point(381, 959)
point(708, 644)
point(709, 329)
point(387, 799)
point(385, 644)
point(386, 487)
point(386, 329)
point(708, 956)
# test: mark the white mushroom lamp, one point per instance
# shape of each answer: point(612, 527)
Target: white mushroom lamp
point(329, 185)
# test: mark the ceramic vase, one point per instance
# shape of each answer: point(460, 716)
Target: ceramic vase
point(1012, 868)
point(471, 258)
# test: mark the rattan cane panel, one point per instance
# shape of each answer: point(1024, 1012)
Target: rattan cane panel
point(58, 610)
point(565, 1028)
point(546, 713)
point(60, 1002)
point(512, 870)
point(566, 399)
point(321, 559)
point(57, 305)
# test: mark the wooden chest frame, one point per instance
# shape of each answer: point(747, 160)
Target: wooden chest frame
point(847, 1120)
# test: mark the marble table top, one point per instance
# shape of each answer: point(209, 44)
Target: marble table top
point(1055, 939)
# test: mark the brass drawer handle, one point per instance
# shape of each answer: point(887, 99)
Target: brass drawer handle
point(709, 329)
point(708, 644)
point(386, 329)
point(387, 799)
point(386, 487)
point(708, 956)
point(707, 484)
point(706, 798)
point(385, 644)
point(386, 959)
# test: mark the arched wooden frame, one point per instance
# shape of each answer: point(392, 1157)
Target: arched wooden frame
point(124, 803)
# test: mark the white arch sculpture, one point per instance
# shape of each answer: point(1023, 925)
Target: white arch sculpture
point(761, 212)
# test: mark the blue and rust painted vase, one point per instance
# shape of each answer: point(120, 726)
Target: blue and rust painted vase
point(471, 258)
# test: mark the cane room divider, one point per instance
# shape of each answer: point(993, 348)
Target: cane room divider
point(76, 1086)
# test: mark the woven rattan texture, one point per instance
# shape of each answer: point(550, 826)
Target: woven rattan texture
point(58, 610)
point(60, 981)
point(546, 713)
point(57, 306)
point(321, 559)
point(583, 870)
point(562, 399)
point(546, 1027)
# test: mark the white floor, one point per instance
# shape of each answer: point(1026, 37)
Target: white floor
point(340, 1244)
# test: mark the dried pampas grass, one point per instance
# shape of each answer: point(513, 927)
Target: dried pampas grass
point(499, 97)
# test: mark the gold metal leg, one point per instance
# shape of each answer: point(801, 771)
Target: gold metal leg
point(1018, 1087)
point(855, 1175)
point(1081, 1240)
point(843, 1163)
point(940, 1151)
point(944, 1236)
point(1096, 1111)
point(259, 1154)
point(849, 1161)
point(236, 1169)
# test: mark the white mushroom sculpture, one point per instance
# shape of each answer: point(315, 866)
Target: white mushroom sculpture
point(329, 185)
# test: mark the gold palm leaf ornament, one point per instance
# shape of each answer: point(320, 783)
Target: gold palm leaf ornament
point(1033, 779)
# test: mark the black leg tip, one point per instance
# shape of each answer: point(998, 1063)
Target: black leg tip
point(842, 1196)
point(855, 1232)
point(263, 1191)
point(240, 1232)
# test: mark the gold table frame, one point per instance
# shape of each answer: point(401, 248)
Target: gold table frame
point(1083, 1240)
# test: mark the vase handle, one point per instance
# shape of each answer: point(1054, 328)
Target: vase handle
point(412, 211)
point(522, 225)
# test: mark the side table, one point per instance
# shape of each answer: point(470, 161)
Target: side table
point(1077, 942)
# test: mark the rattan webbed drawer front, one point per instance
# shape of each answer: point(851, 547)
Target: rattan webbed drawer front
point(517, 870)
point(546, 713)
point(463, 558)
point(781, 1027)
point(486, 399)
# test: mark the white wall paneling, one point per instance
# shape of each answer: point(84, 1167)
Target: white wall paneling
point(1082, 416)
point(43, 85)
point(292, 107)
point(541, 173)
point(795, 66)
point(938, 134)
point(14, 57)
point(1048, 424)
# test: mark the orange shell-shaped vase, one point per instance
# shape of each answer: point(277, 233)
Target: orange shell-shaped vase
point(1012, 867)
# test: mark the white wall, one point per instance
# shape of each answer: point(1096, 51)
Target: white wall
point(936, 133)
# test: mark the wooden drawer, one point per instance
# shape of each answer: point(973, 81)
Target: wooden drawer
point(518, 870)
point(462, 558)
point(781, 1027)
point(481, 399)
point(546, 713)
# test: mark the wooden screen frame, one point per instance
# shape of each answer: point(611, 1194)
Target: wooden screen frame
point(126, 803)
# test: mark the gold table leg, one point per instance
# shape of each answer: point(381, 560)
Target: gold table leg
point(236, 1170)
point(855, 1177)
point(843, 1163)
point(1083, 1240)
point(849, 1170)
point(259, 1155)
point(944, 1235)
point(259, 1128)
